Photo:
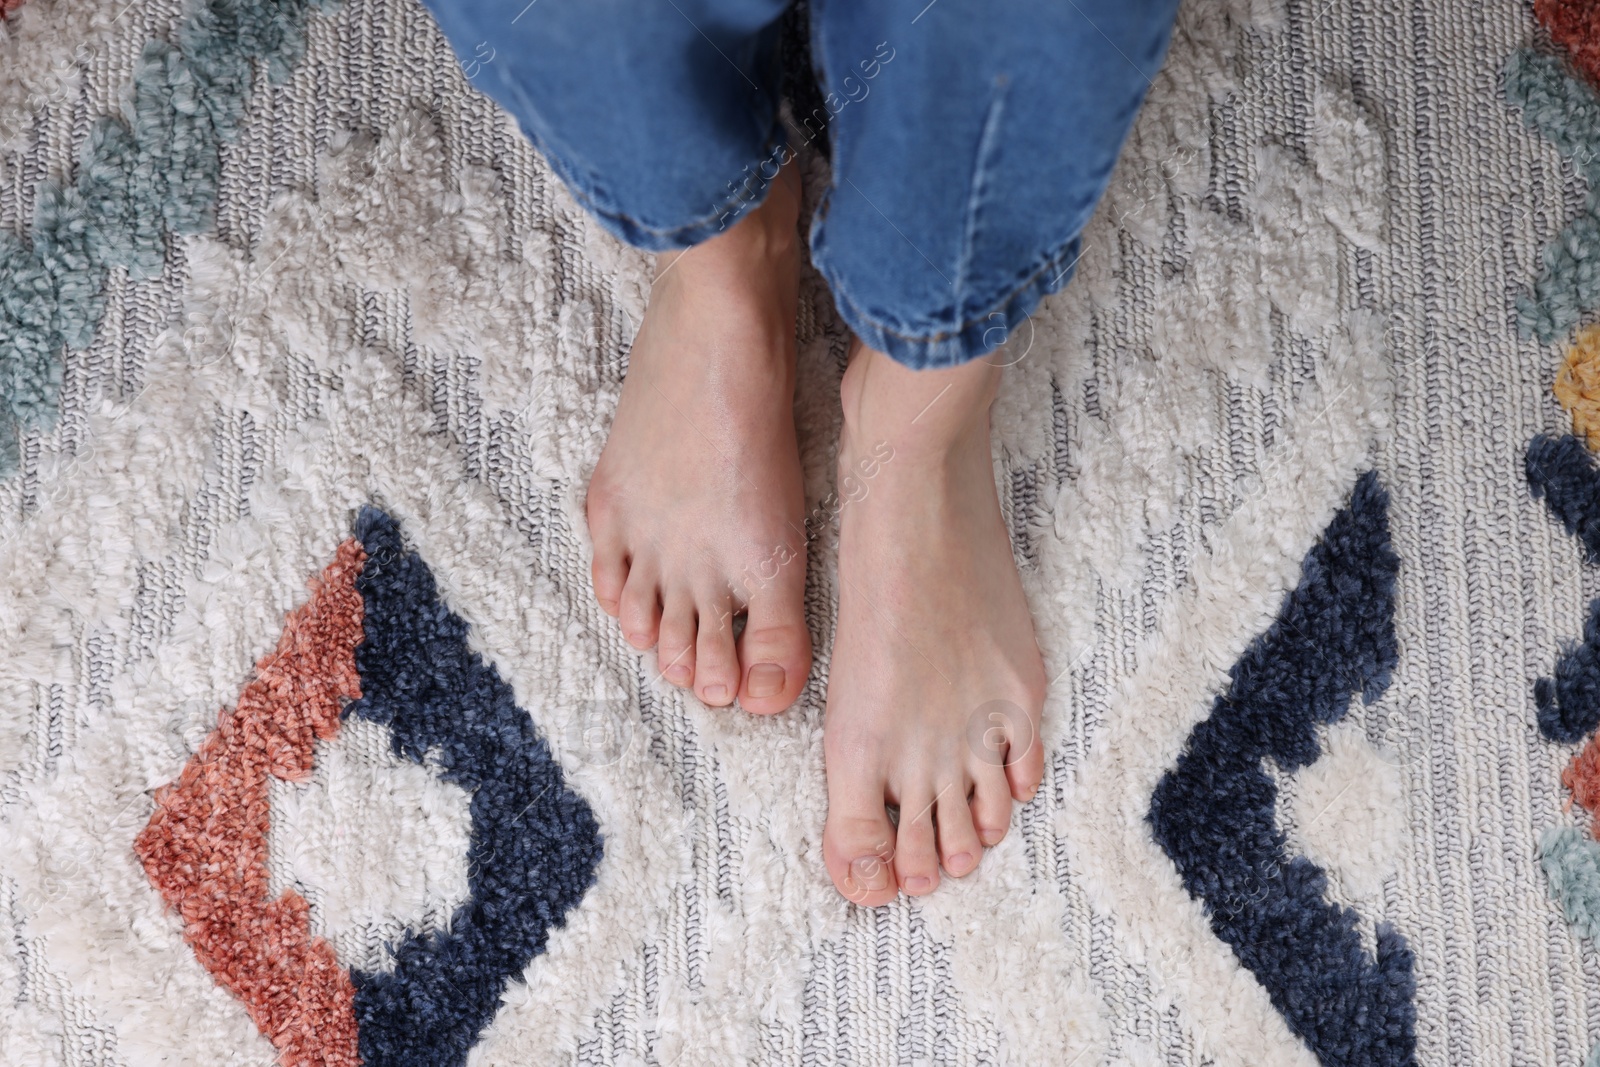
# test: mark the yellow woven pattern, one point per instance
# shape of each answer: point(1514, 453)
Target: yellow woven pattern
point(1578, 385)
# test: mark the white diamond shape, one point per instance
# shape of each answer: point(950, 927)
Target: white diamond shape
point(377, 844)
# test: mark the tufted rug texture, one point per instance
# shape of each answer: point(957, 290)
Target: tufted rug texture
point(315, 750)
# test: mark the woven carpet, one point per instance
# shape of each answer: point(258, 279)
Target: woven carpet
point(314, 748)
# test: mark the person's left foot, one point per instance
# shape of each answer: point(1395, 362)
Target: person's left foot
point(936, 683)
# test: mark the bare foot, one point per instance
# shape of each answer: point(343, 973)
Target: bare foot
point(936, 682)
point(696, 508)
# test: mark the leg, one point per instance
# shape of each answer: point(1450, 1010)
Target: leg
point(971, 143)
point(966, 165)
point(662, 118)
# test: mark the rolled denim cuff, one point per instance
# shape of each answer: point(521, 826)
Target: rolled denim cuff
point(747, 195)
point(977, 335)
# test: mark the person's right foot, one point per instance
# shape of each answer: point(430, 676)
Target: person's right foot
point(696, 508)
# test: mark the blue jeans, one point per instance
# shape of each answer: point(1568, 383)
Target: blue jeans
point(970, 139)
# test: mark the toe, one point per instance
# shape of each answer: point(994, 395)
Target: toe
point(609, 572)
point(1024, 759)
point(991, 804)
point(959, 848)
point(916, 852)
point(774, 652)
point(858, 841)
point(716, 664)
point(640, 609)
point(675, 653)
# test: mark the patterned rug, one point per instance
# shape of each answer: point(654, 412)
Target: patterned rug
point(315, 750)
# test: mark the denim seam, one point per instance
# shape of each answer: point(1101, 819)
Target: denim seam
point(976, 185)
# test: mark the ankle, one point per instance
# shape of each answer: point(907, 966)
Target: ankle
point(772, 230)
point(767, 235)
point(776, 221)
point(933, 416)
point(749, 274)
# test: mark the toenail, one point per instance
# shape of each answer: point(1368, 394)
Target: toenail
point(678, 674)
point(870, 873)
point(961, 863)
point(990, 837)
point(918, 884)
point(716, 694)
point(607, 606)
point(639, 640)
point(766, 679)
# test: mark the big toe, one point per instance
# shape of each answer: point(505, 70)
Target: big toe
point(774, 655)
point(858, 842)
